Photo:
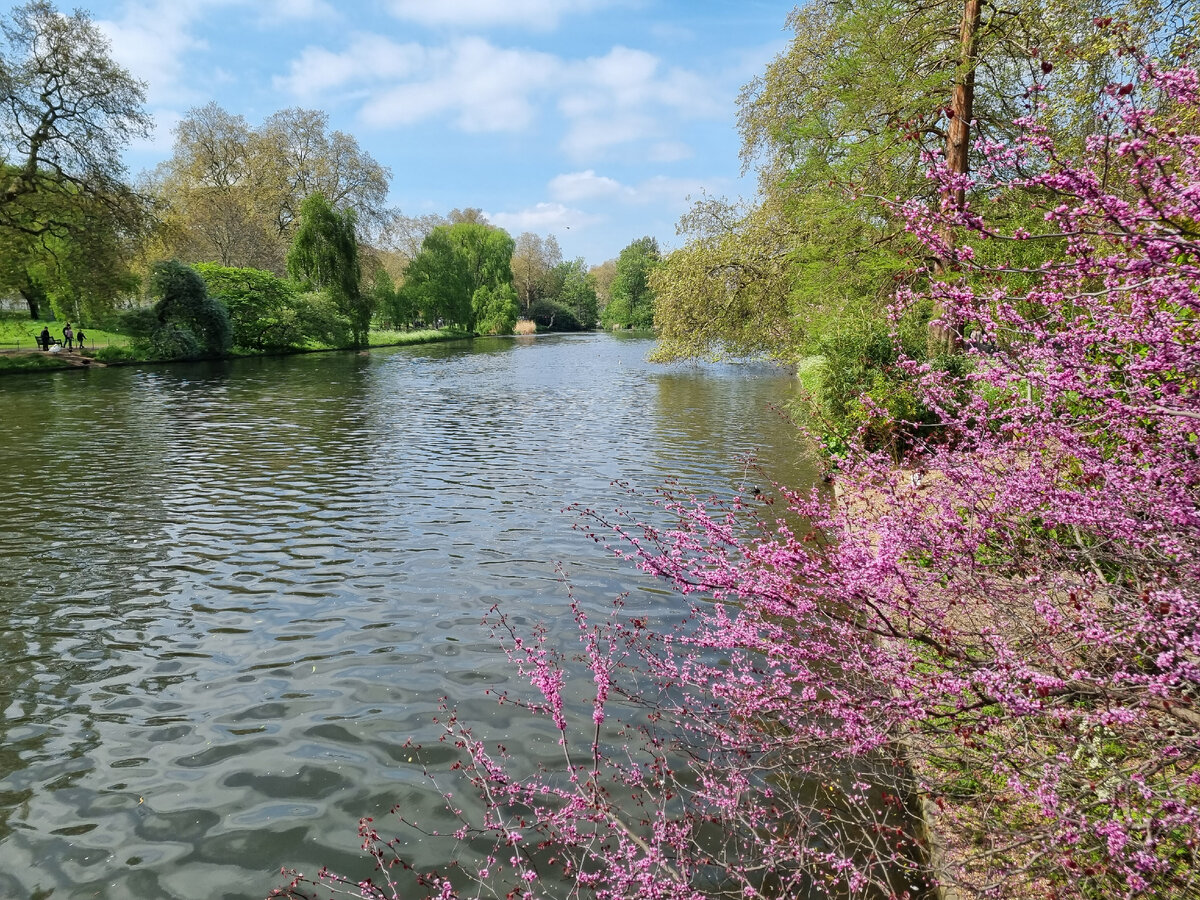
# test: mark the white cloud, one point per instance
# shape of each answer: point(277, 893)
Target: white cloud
point(541, 218)
point(486, 88)
point(538, 15)
point(672, 191)
point(625, 97)
point(297, 10)
point(670, 151)
point(579, 187)
point(369, 59)
point(575, 186)
point(152, 38)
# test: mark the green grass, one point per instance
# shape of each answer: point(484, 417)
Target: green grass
point(19, 332)
point(381, 338)
point(31, 362)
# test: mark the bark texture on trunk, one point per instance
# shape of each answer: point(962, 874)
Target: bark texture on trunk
point(946, 337)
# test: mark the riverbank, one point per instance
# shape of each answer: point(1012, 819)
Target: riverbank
point(30, 360)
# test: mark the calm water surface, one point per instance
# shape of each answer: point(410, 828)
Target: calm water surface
point(229, 593)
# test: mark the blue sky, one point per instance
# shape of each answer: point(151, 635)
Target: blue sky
point(592, 120)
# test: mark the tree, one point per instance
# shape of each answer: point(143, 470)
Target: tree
point(578, 292)
point(602, 277)
point(728, 291)
point(184, 322)
point(81, 273)
point(631, 302)
point(863, 98)
point(265, 312)
point(464, 274)
point(216, 208)
point(233, 192)
point(296, 155)
point(67, 111)
point(534, 264)
point(324, 255)
point(391, 304)
point(404, 235)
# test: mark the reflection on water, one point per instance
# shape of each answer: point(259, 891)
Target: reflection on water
point(230, 592)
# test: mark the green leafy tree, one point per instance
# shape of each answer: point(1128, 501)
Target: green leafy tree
point(729, 289)
point(846, 118)
point(578, 292)
point(464, 275)
point(631, 296)
point(185, 322)
point(324, 255)
point(574, 306)
point(386, 298)
point(266, 312)
point(67, 112)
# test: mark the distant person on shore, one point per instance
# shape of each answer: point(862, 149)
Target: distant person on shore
point(79, 339)
point(68, 334)
point(44, 338)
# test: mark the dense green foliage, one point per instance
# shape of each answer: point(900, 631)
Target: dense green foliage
point(572, 304)
point(324, 256)
point(268, 313)
point(463, 275)
point(840, 128)
point(184, 322)
point(631, 294)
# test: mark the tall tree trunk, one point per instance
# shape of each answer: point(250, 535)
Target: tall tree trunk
point(33, 298)
point(945, 335)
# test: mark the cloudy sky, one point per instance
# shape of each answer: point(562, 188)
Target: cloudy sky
point(592, 120)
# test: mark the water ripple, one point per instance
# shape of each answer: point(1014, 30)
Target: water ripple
point(231, 592)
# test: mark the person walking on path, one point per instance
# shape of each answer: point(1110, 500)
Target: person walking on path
point(79, 338)
point(68, 334)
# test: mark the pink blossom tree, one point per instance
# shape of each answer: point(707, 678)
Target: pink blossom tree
point(999, 642)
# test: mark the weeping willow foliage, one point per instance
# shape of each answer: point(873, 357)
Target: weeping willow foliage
point(324, 256)
point(842, 126)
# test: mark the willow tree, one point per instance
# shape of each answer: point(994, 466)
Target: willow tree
point(324, 256)
point(464, 275)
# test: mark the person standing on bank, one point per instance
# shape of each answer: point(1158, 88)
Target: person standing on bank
point(44, 338)
point(67, 335)
point(79, 338)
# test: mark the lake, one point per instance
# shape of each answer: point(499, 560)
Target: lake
point(230, 592)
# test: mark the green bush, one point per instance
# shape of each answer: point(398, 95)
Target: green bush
point(555, 316)
point(114, 354)
point(192, 324)
point(856, 390)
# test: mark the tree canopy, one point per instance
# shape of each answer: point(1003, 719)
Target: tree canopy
point(324, 255)
point(233, 192)
point(464, 275)
point(67, 112)
point(844, 123)
point(631, 295)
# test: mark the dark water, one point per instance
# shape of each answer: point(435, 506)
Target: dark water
point(229, 593)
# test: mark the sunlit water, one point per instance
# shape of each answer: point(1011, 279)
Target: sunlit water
point(230, 592)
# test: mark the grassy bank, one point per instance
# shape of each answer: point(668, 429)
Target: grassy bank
point(19, 332)
point(19, 349)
